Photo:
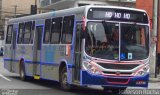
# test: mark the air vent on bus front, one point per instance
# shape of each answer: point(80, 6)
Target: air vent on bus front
point(118, 66)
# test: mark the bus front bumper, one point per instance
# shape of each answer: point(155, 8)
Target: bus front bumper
point(114, 81)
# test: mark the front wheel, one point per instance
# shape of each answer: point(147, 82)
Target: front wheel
point(63, 79)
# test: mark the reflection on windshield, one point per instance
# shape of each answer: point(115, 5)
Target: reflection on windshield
point(102, 41)
point(134, 42)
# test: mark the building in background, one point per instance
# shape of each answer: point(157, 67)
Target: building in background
point(11, 9)
point(148, 5)
point(14, 8)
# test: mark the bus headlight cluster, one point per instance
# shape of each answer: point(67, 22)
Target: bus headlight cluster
point(90, 68)
point(143, 71)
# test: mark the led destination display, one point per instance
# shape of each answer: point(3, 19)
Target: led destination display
point(117, 15)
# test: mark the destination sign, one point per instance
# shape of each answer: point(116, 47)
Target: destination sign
point(117, 15)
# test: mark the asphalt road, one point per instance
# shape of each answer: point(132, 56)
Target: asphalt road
point(11, 83)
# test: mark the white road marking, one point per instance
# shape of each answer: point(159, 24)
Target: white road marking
point(4, 77)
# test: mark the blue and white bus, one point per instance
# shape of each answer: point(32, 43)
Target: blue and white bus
point(90, 45)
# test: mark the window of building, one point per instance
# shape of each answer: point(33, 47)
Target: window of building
point(67, 32)
point(47, 29)
point(45, 2)
point(56, 30)
point(54, 1)
point(82, 4)
point(27, 33)
point(20, 33)
point(1, 34)
point(9, 34)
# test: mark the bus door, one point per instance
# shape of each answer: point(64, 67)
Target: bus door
point(37, 51)
point(13, 47)
point(77, 52)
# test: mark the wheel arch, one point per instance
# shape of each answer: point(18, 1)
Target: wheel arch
point(62, 65)
point(21, 62)
point(22, 69)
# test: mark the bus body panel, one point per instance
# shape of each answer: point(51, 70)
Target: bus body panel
point(25, 52)
point(29, 68)
point(28, 57)
point(53, 56)
point(7, 56)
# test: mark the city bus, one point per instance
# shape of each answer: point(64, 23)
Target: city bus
point(105, 46)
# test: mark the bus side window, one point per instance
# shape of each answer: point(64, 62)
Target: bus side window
point(27, 33)
point(20, 33)
point(67, 32)
point(56, 30)
point(47, 30)
point(32, 32)
point(9, 34)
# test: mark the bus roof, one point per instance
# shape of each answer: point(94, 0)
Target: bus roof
point(71, 11)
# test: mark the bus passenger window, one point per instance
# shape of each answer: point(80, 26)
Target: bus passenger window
point(20, 33)
point(9, 34)
point(27, 33)
point(67, 32)
point(56, 30)
point(46, 38)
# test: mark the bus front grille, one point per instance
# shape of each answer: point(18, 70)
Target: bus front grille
point(118, 66)
point(115, 73)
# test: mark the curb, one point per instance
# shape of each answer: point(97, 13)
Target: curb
point(154, 79)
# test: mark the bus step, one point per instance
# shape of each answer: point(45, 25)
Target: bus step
point(37, 77)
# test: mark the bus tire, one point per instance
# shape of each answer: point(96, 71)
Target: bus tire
point(22, 71)
point(63, 80)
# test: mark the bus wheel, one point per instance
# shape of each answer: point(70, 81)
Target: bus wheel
point(63, 79)
point(22, 71)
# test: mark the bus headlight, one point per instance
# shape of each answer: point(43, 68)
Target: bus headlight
point(90, 68)
point(143, 71)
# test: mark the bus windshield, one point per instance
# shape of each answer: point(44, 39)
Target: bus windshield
point(134, 42)
point(104, 40)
